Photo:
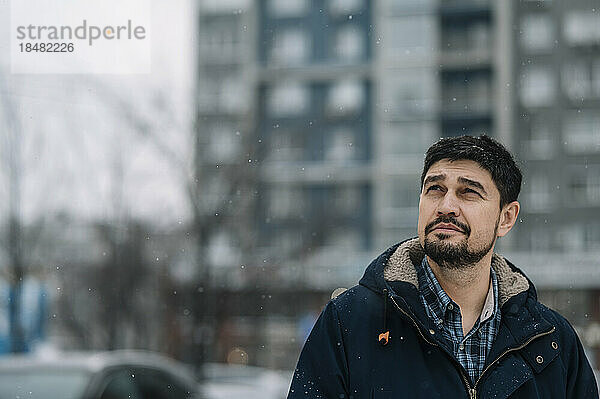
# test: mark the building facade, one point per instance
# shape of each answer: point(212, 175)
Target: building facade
point(333, 104)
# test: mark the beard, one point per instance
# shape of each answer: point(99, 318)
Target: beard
point(455, 255)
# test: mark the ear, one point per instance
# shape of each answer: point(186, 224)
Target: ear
point(508, 218)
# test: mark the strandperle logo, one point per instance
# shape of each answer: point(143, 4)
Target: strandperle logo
point(75, 36)
point(84, 31)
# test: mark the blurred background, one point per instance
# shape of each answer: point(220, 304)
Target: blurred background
point(209, 209)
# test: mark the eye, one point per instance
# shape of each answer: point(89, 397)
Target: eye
point(435, 187)
point(470, 191)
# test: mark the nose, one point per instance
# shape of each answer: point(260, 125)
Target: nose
point(448, 205)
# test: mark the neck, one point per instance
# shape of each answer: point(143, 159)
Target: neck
point(467, 286)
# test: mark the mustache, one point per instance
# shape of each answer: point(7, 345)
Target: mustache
point(450, 220)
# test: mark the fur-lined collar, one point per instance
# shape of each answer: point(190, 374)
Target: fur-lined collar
point(400, 267)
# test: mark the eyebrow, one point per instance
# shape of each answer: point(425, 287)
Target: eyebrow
point(472, 183)
point(434, 178)
point(462, 180)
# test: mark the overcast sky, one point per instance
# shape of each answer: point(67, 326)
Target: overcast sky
point(81, 150)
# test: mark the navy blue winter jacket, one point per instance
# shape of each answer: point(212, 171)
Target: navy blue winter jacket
point(536, 353)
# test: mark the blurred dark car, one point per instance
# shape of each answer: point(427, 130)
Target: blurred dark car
point(95, 375)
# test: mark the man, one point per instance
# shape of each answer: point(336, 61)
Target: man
point(442, 315)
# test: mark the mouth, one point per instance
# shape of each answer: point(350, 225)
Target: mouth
point(447, 228)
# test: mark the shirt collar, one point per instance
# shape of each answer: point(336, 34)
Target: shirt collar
point(490, 307)
point(433, 292)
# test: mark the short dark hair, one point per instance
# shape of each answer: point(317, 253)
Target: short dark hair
point(488, 153)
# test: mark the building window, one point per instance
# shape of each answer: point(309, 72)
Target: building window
point(214, 190)
point(288, 99)
point(344, 237)
point(346, 201)
point(455, 95)
point(581, 79)
point(474, 36)
point(596, 77)
point(291, 46)
point(537, 32)
point(349, 43)
point(537, 86)
point(234, 96)
point(345, 97)
point(581, 132)
point(584, 185)
point(286, 146)
point(396, 6)
point(479, 92)
point(219, 40)
point(469, 93)
point(540, 142)
point(228, 94)
point(224, 143)
point(537, 193)
point(410, 93)
point(222, 252)
point(207, 95)
point(344, 7)
point(592, 236)
point(287, 241)
point(572, 238)
point(288, 8)
point(581, 27)
point(224, 6)
point(540, 239)
point(410, 36)
point(286, 202)
point(479, 36)
point(403, 193)
point(409, 137)
point(576, 82)
point(340, 145)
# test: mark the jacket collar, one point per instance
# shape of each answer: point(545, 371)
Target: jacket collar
point(395, 271)
point(401, 267)
point(397, 264)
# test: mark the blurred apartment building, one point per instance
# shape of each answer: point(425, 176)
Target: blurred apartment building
point(332, 104)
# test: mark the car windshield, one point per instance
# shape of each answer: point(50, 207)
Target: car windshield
point(43, 384)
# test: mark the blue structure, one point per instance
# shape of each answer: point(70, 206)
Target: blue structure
point(33, 315)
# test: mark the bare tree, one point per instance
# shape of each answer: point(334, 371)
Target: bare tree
point(12, 156)
point(231, 207)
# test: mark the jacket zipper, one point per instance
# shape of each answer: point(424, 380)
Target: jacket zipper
point(473, 391)
point(518, 348)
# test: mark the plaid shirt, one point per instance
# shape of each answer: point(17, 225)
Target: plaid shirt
point(472, 349)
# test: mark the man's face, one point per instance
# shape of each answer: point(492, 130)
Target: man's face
point(459, 213)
